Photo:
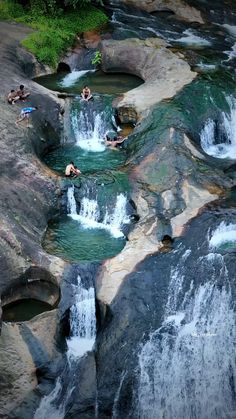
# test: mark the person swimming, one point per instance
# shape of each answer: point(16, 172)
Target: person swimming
point(116, 141)
point(86, 93)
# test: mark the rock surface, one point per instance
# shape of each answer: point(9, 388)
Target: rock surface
point(28, 198)
point(163, 72)
point(179, 7)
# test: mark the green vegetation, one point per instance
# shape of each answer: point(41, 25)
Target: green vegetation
point(56, 30)
point(97, 59)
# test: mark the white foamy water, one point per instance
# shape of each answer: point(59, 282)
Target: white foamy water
point(231, 54)
point(82, 323)
point(73, 77)
point(190, 39)
point(187, 365)
point(90, 131)
point(225, 233)
point(231, 29)
point(82, 339)
point(227, 129)
point(89, 215)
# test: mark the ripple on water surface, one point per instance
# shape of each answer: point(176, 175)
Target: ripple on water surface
point(71, 241)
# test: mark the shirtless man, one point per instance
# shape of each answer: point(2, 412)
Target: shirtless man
point(12, 97)
point(116, 141)
point(22, 93)
point(86, 93)
point(72, 170)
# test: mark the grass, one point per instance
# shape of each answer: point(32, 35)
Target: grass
point(54, 34)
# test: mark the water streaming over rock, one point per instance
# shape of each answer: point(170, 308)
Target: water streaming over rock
point(188, 367)
point(81, 340)
point(90, 127)
point(90, 216)
point(219, 140)
point(73, 77)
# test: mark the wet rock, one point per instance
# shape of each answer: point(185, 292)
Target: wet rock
point(163, 72)
point(179, 7)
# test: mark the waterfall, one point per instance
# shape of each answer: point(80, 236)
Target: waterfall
point(71, 202)
point(82, 339)
point(89, 215)
point(225, 147)
point(73, 77)
point(187, 366)
point(82, 323)
point(90, 130)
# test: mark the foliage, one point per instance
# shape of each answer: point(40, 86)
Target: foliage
point(97, 59)
point(80, 3)
point(10, 10)
point(55, 33)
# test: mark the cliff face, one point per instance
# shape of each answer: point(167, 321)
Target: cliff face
point(28, 197)
point(27, 188)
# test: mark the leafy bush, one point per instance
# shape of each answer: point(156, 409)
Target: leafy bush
point(97, 59)
point(55, 34)
point(10, 10)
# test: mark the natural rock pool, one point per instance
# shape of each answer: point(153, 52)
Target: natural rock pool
point(92, 228)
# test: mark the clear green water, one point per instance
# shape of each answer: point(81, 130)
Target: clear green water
point(69, 240)
point(99, 82)
point(24, 310)
point(87, 162)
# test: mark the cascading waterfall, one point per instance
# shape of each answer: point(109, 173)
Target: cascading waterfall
point(89, 215)
point(226, 145)
point(90, 130)
point(188, 367)
point(82, 339)
point(73, 77)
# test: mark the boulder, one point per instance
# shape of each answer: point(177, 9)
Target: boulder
point(163, 72)
point(179, 7)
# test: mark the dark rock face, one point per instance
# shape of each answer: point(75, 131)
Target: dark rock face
point(139, 306)
point(27, 194)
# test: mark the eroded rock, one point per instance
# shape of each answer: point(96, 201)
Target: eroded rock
point(163, 72)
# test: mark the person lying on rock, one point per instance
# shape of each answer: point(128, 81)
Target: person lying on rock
point(86, 93)
point(12, 97)
point(116, 141)
point(72, 170)
point(22, 93)
point(25, 113)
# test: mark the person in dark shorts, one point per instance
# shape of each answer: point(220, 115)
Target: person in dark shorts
point(23, 95)
point(86, 93)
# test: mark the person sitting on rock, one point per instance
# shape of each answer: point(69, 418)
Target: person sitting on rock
point(23, 95)
point(25, 113)
point(77, 171)
point(86, 93)
point(72, 170)
point(12, 97)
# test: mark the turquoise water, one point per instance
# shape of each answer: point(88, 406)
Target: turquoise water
point(87, 162)
point(99, 82)
point(71, 241)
